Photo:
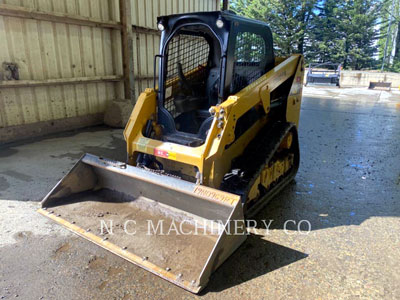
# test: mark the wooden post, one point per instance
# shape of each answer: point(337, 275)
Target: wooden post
point(127, 48)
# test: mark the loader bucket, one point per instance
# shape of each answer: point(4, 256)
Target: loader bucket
point(175, 229)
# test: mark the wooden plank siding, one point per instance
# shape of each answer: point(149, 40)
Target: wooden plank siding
point(69, 56)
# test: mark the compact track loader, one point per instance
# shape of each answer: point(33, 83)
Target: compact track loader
point(207, 147)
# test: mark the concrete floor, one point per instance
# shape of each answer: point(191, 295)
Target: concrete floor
point(348, 188)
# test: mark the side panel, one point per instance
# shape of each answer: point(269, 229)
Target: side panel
point(219, 158)
point(144, 110)
point(295, 95)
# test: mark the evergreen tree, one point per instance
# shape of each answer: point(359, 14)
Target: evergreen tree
point(326, 41)
point(384, 16)
point(344, 31)
point(239, 6)
point(358, 28)
point(288, 20)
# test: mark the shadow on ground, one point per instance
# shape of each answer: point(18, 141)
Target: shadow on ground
point(256, 257)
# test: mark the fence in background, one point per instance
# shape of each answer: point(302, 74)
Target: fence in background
point(363, 78)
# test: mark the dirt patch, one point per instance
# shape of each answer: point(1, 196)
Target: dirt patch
point(96, 262)
point(114, 271)
point(103, 285)
point(62, 249)
point(22, 235)
point(182, 254)
point(127, 297)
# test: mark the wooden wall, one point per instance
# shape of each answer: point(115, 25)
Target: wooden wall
point(70, 59)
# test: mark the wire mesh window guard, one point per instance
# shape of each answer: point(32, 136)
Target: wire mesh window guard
point(191, 53)
point(250, 51)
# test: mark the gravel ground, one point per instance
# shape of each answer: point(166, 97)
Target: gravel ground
point(348, 188)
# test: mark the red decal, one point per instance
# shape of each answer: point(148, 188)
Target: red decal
point(161, 153)
point(298, 79)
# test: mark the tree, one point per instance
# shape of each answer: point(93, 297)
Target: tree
point(288, 20)
point(359, 32)
point(325, 40)
point(239, 6)
point(343, 31)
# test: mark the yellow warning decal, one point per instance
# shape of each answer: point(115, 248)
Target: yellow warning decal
point(205, 191)
point(172, 155)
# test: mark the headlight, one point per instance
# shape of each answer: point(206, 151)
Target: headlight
point(160, 26)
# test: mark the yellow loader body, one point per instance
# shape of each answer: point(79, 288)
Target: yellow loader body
point(212, 158)
point(177, 207)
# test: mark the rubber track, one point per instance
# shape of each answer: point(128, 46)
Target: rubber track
point(251, 163)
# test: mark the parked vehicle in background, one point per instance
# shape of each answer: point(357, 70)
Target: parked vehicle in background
point(324, 74)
